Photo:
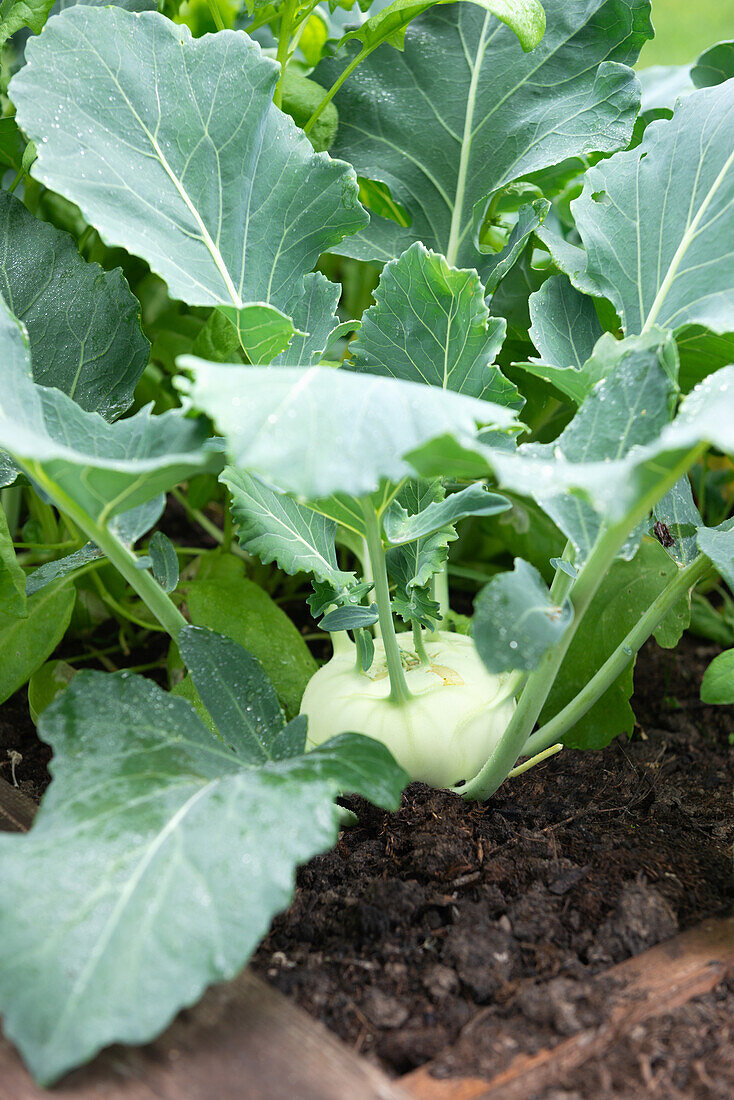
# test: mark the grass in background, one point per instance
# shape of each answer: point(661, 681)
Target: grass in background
point(683, 30)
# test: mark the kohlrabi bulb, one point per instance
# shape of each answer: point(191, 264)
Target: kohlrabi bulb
point(447, 729)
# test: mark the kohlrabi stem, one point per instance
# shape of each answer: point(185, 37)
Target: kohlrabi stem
point(160, 605)
point(418, 646)
point(207, 525)
point(284, 42)
point(364, 52)
point(216, 15)
point(584, 587)
point(399, 692)
point(622, 656)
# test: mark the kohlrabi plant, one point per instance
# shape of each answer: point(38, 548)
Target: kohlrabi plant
point(534, 413)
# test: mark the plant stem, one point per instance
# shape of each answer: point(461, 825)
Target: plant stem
point(399, 692)
point(10, 501)
point(207, 525)
point(284, 41)
point(622, 656)
point(540, 681)
point(420, 649)
point(216, 15)
point(537, 759)
point(141, 581)
point(85, 238)
point(364, 52)
point(19, 176)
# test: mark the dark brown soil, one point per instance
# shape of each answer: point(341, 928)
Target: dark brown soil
point(483, 925)
point(683, 1055)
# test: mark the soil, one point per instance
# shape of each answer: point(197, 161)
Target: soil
point(485, 929)
point(468, 935)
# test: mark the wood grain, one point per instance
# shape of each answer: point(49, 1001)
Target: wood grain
point(653, 983)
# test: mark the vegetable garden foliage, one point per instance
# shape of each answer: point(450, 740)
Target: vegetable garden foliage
point(544, 382)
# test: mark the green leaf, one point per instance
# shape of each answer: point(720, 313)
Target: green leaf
point(530, 217)
point(401, 526)
point(128, 527)
point(326, 431)
point(657, 221)
point(12, 577)
point(243, 206)
point(226, 601)
point(625, 593)
point(353, 617)
point(276, 528)
point(234, 689)
point(164, 560)
point(565, 329)
point(182, 854)
point(83, 323)
point(515, 620)
point(301, 97)
point(717, 544)
point(430, 324)
point(714, 66)
point(17, 14)
point(46, 683)
point(682, 519)
point(413, 563)
point(718, 680)
point(468, 123)
point(525, 18)
point(105, 468)
point(262, 331)
point(26, 643)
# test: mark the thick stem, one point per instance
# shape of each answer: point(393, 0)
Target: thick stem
point(284, 42)
point(141, 581)
point(364, 52)
point(622, 656)
point(399, 692)
point(216, 15)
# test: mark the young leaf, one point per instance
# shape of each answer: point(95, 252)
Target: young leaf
point(322, 431)
point(718, 680)
point(276, 528)
point(714, 66)
point(402, 526)
point(413, 563)
point(164, 561)
point(430, 324)
point(682, 520)
point(83, 323)
point(182, 853)
point(17, 14)
point(657, 221)
point(530, 217)
point(350, 618)
point(515, 620)
point(243, 206)
point(453, 119)
point(228, 602)
point(565, 329)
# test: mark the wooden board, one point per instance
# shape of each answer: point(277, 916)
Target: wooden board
point(655, 982)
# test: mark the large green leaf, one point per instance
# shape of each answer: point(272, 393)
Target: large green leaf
point(658, 221)
point(430, 324)
point(16, 14)
point(455, 117)
point(714, 66)
point(565, 328)
point(515, 620)
point(322, 431)
point(276, 528)
point(182, 852)
point(105, 468)
point(717, 544)
point(214, 186)
point(83, 323)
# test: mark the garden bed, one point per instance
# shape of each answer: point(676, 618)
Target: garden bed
point(491, 922)
point(479, 939)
